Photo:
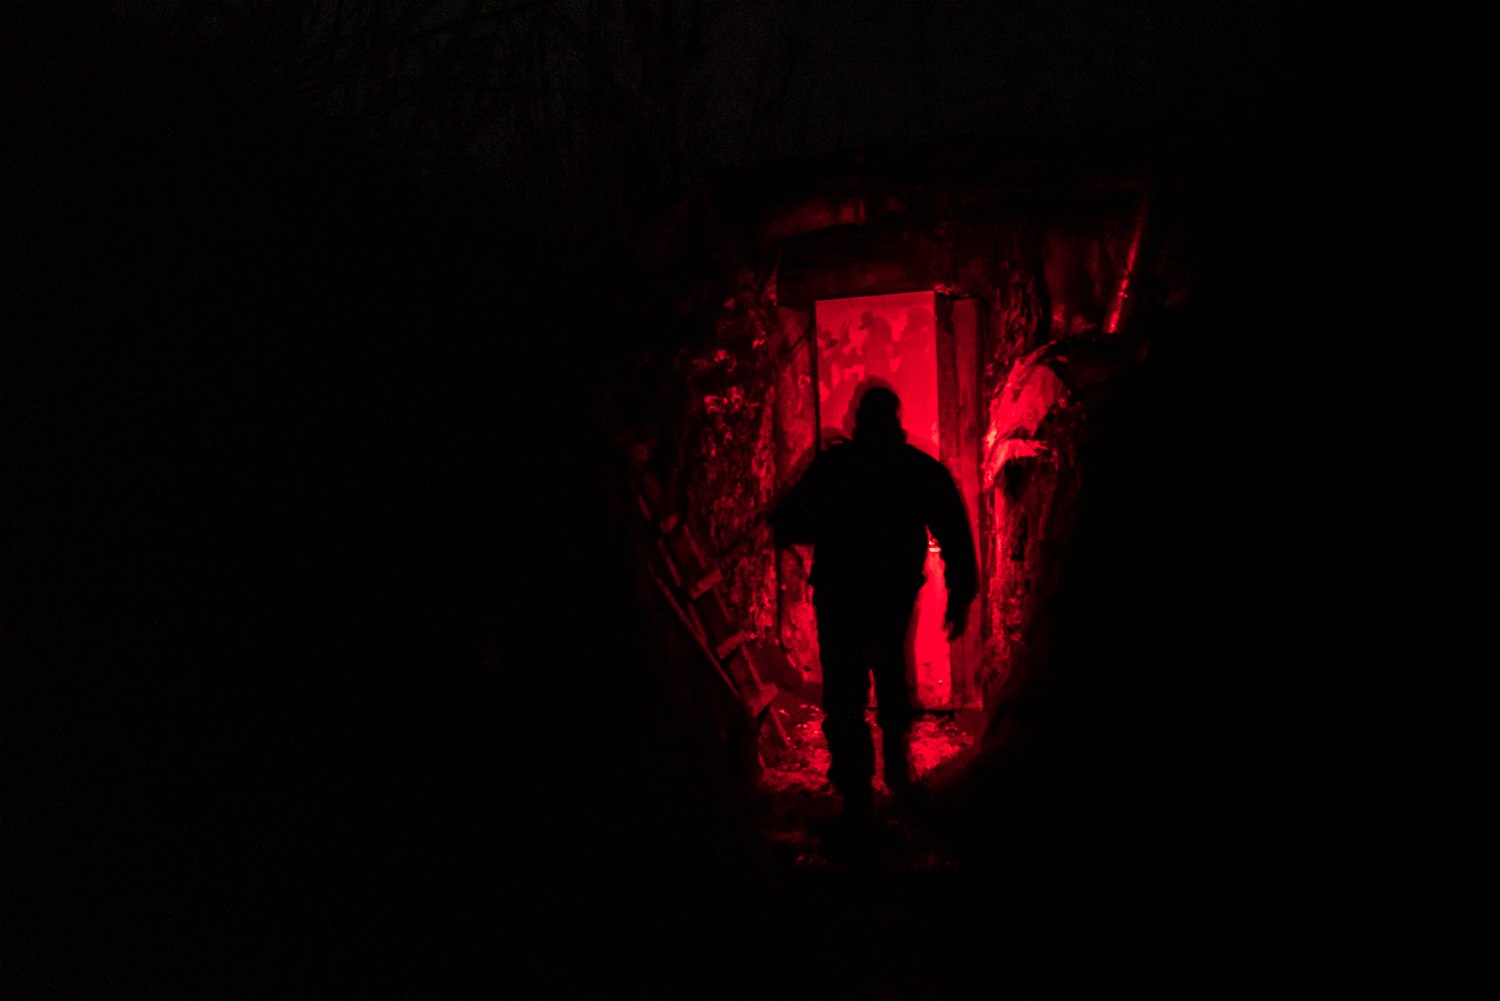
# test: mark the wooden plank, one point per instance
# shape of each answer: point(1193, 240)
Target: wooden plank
point(772, 728)
point(760, 699)
point(688, 555)
point(730, 645)
point(731, 659)
point(714, 661)
point(709, 580)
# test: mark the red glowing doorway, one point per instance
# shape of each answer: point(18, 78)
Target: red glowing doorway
point(799, 413)
point(892, 339)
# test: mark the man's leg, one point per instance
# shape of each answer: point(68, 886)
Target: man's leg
point(846, 689)
point(894, 710)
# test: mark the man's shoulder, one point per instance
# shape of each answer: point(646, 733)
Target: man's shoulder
point(840, 450)
point(932, 472)
point(919, 457)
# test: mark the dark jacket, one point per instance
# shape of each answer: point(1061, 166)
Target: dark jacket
point(865, 506)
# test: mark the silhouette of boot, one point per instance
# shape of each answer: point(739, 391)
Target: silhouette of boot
point(900, 777)
point(858, 805)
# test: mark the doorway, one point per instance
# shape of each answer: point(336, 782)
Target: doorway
point(893, 339)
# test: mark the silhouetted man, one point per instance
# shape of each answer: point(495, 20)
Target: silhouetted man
point(865, 506)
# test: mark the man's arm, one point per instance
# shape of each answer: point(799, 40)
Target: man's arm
point(949, 522)
point(794, 519)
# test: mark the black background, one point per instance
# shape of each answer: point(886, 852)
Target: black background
point(318, 644)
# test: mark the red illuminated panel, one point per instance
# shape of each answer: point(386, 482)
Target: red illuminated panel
point(892, 338)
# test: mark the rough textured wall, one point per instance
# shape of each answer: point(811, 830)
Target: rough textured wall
point(1019, 311)
point(727, 470)
point(1044, 361)
point(1030, 483)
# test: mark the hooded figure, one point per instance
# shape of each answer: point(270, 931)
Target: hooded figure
point(866, 506)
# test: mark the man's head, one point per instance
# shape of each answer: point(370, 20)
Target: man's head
point(878, 414)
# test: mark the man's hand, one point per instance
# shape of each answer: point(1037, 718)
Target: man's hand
point(958, 620)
